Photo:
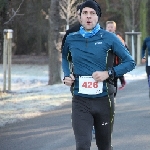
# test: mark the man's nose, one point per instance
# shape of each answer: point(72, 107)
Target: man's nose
point(88, 15)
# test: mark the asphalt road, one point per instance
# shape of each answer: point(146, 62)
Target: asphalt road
point(52, 130)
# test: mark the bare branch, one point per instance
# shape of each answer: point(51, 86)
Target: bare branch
point(68, 11)
point(15, 13)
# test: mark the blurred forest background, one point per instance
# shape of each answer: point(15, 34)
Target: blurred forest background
point(37, 24)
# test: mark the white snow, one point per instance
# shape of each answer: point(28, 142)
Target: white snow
point(31, 95)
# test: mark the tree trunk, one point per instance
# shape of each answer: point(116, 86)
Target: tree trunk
point(54, 63)
point(143, 18)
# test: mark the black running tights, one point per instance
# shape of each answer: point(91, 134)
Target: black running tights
point(148, 74)
point(89, 111)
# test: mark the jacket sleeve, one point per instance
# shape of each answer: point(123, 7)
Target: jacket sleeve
point(64, 39)
point(143, 48)
point(65, 62)
point(127, 63)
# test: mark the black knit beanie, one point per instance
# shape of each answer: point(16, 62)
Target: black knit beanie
point(78, 7)
point(91, 4)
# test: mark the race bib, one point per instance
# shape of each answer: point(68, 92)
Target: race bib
point(148, 60)
point(87, 85)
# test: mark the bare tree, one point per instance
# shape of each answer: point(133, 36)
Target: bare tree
point(14, 13)
point(129, 9)
point(68, 11)
point(54, 62)
point(7, 15)
point(144, 18)
point(131, 14)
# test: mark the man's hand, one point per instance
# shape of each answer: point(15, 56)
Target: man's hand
point(100, 76)
point(143, 60)
point(69, 80)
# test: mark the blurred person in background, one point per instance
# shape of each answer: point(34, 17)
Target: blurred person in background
point(146, 58)
point(111, 27)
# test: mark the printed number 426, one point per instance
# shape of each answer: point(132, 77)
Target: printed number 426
point(90, 84)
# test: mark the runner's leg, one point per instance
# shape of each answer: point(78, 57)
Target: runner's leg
point(148, 77)
point(103, 122)
point(82, 122)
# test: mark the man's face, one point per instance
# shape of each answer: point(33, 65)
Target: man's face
point(110, 27)
point(89, 18)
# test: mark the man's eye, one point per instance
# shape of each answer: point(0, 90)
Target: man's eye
point(84, 12)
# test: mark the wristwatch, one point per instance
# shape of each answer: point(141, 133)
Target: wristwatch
point(111, 73)
point(144, 57)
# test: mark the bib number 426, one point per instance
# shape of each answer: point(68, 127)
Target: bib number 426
point(87, 85)
point(90, 84)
